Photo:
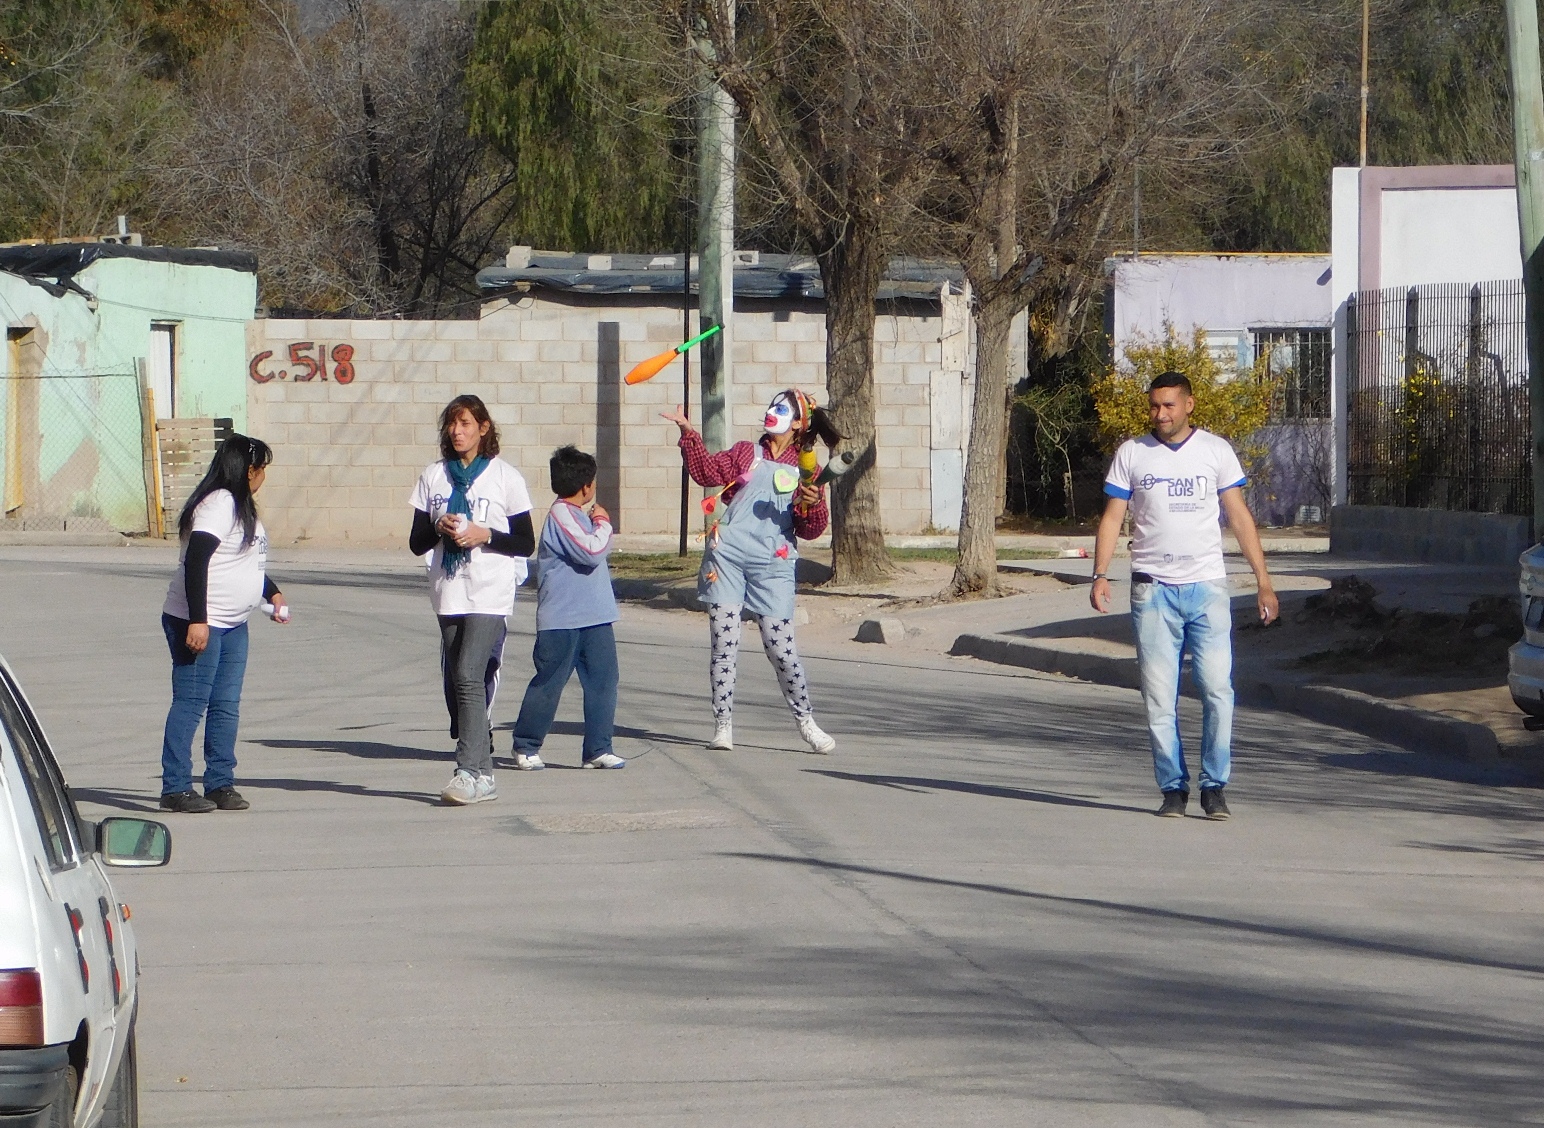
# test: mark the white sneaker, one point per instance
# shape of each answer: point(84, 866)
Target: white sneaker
point(723, 737)
point(606, 760)
point(819, 742)
point(531, 763)
point(486, 789)
point(461, 790)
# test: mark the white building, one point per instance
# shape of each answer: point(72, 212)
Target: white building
point(1402, 227)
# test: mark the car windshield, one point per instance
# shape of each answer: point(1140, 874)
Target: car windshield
point(45, 790)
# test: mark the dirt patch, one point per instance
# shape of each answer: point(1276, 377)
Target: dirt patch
point(1409, 643)
point(654, 565)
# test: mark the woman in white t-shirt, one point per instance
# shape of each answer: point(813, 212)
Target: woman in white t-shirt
point(221, 579)
point(472, 516)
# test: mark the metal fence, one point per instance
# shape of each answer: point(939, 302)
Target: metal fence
point(1437, 398)
point(72, 452)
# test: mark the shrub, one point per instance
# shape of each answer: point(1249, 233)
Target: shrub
point(1235, 407)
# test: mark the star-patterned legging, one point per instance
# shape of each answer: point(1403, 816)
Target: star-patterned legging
point(776, 640)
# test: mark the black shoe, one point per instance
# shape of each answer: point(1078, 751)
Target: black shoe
point(227, 798)
point(1173, 805)
point(186, 802)
point(1213, 805)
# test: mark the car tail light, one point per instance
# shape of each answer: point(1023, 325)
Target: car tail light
point(21, 1008)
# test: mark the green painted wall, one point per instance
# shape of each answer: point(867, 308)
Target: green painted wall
point(70, 438)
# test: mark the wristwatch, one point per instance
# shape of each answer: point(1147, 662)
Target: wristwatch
point(1101, 575)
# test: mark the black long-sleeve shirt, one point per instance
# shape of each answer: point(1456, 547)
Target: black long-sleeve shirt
point(519, 541)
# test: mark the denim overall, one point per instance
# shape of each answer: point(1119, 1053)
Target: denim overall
point(751, 550)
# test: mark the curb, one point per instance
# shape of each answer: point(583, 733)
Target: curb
point(1416, 729)
point(1100, 668)
point(47, 539)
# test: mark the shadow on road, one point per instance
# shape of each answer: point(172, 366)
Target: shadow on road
point(118, 800)
point(364, 749)
point(921, 785)
point(1128, 911)
point(576, 728)
point(336, 788)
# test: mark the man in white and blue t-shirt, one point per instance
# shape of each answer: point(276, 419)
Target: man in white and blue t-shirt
point(1175, 481)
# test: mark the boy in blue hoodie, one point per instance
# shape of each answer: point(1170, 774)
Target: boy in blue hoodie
point(575, 608)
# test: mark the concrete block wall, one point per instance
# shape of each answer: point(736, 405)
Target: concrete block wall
point(347, 454)
point(1429, 536)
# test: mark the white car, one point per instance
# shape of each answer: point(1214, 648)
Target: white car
point(68, 968)
point(1525, 661)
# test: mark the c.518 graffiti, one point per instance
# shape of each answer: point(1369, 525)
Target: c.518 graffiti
point(310, 367)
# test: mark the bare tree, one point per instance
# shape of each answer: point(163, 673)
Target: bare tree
point(830, 95)
point(1057, 102)
point(344, 160)
point(80, 118)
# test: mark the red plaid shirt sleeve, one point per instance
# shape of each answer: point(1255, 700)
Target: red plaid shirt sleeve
point(714, 469)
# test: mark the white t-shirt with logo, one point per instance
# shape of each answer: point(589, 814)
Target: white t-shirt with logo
point(486, 585)
point(236, 569)
point(1176, 535)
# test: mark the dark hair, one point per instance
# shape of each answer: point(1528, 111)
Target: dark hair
point(572, 469)
point(228, 471)
point(819, 425)
point(1171, 380)
point(490, 442)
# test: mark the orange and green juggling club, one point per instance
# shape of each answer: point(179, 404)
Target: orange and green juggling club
point(655, 364)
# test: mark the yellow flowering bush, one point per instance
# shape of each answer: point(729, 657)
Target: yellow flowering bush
point(1234, 408)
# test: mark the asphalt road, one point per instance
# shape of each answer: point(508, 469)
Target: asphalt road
point(967, 916)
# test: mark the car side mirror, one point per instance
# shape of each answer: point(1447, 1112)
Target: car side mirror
point(133, 842)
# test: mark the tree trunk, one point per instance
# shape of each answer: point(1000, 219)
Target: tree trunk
point(851, 269)
point(997, 301)
point(977, 567)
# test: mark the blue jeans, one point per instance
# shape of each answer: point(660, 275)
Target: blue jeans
point(205, 687)
point(592, 651)
point(1170, 619)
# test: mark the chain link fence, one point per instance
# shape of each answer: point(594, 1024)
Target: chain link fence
point(73, 452)
point(1437, 398)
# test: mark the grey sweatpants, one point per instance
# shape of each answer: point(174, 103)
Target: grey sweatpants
point(467, 643)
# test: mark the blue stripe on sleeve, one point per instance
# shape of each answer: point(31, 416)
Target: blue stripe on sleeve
point(1112, 490)
point(1235, 485)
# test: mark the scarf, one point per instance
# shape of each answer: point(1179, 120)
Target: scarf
point(461, 479)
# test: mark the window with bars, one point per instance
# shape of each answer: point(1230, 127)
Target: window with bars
point(1300, 360)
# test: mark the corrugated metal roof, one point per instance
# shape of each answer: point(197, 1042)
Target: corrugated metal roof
point(793, 277)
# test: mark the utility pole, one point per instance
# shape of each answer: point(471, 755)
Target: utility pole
point(686, 366)
point(1522, 36)
point(715, 240)
point(1366, 29)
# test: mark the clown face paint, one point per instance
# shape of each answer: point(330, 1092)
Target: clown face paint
point(780, 415)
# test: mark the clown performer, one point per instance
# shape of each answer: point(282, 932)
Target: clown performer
point(750, 551)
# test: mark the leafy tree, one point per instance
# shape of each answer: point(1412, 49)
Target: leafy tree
point(1439, 95)
point(172, 34)
point(580, 111)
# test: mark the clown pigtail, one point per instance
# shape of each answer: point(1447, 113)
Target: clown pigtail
point(821, 427)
